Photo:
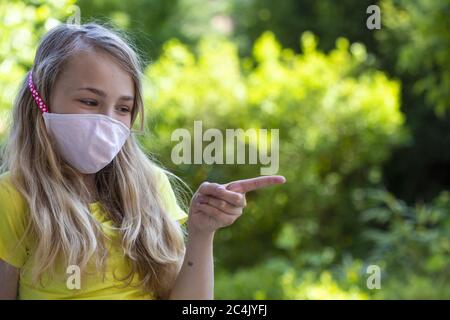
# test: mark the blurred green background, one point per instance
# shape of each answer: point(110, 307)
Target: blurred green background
point(364, 130)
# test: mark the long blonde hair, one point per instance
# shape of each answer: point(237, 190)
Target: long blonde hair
point(127, 187)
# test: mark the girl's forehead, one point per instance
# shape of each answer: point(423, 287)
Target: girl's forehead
point(96, 68)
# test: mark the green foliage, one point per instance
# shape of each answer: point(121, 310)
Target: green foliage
point(22, 25)
point(278, 279)
point(328, 19)
point(411, 245)
point(416, 287)
point(332, 114)
point(152, 22)
point(413, 45)
point(420, 32)
point(408, 240)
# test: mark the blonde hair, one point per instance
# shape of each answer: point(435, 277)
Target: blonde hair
point(127, 187)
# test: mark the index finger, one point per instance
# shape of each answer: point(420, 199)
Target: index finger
point(243, 186)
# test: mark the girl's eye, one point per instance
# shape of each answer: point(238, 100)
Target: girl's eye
point(124, 109)
point(89, 102)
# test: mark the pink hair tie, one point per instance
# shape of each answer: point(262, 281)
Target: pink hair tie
point(40, 103)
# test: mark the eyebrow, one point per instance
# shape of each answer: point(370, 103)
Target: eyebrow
point(103, 94)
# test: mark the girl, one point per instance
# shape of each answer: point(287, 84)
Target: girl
point(84, 214)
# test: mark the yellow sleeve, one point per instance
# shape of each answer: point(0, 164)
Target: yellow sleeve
point(169, 198)
point(13, 223)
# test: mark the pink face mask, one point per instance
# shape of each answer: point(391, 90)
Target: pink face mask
point(88, 142)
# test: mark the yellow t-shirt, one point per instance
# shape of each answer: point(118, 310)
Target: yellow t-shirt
point(13, 223)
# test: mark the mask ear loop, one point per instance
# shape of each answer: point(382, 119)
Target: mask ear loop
point(40, 103)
